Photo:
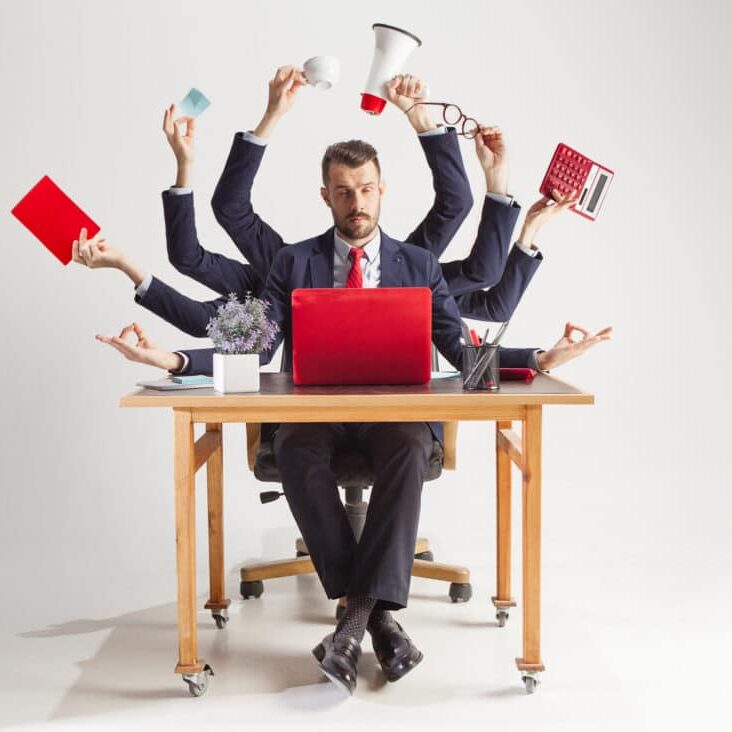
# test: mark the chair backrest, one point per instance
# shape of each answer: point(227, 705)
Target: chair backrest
point(254, 433)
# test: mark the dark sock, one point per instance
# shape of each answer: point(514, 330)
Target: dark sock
point(378, 619)
point(356, 617)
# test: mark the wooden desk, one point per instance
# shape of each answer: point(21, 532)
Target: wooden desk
point(280, 401)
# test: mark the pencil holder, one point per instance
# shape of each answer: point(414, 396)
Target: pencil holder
point(480, 368)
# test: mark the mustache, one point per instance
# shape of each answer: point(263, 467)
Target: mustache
point(359, 215)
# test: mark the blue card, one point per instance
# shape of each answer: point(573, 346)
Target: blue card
point(193, 104)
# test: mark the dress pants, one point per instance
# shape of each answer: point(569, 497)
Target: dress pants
point(380, 564)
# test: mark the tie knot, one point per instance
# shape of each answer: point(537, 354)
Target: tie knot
point(356, 253)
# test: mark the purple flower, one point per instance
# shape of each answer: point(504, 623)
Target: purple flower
point(242, 327)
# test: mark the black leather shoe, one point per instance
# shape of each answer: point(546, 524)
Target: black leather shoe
point(394, 650)
point(338, 658)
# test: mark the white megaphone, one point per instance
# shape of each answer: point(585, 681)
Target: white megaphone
point(393, 46)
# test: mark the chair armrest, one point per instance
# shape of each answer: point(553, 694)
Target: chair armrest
point(254, 431)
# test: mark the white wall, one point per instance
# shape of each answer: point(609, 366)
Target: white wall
point(644, 87)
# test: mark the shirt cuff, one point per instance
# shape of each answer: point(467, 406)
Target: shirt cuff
point(436, 131)
point(533, 364)
point(176, 191)
point(251, 137)
point(143, 287)
point(527, 250)
point(186, 361)
point(500, 198)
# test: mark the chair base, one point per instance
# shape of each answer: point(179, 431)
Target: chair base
point(457, 576)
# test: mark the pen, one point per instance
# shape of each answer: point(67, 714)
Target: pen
point(474, 337)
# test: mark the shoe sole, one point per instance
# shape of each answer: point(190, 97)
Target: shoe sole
point(319, 653)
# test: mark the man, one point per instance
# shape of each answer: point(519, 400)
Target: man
point(374, 574)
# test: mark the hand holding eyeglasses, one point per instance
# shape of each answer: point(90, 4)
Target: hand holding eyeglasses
point(490, 147)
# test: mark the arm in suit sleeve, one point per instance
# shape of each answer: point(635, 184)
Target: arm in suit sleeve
point(453, 199)
point(499, 302)
point(185, 253)
point(446, 327)
point(278, 293)
point(484, 265)
point(190, 316)
point(232, 206)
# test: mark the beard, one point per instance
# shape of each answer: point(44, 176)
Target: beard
point(360, 229)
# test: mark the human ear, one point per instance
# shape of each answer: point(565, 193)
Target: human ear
point(324, 195)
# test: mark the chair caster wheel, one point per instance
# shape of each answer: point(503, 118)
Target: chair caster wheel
point(251, 589)
point(460, 591)
point(502, 617)
point(198, 683)
point(530, 682)
point(299, 554)
point(428, 556)
point(221, 618)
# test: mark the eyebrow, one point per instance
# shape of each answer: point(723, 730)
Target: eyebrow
point(360, 185)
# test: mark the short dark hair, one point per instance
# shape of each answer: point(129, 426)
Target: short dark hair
point(353, 153)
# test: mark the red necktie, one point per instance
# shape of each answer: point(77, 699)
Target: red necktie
point(355, 277)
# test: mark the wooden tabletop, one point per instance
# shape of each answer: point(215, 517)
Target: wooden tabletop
point(441, 399)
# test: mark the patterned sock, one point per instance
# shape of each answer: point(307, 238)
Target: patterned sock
point(378, 619)
point(356, 617)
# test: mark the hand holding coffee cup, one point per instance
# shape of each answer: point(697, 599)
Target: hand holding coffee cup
point(322, 71)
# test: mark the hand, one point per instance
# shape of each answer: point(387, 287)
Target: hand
point(541, 212)
point(404, 91)
point(144, 351)
point(565, 349)
point(180, 141)
point(95, 253)
point(490, 147)
point(283, 90)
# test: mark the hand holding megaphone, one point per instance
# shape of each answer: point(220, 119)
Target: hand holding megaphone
point(405, 90)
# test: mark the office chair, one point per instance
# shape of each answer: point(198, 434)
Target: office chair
point(354, 475)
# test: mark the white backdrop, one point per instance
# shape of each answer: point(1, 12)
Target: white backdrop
point(636, 482)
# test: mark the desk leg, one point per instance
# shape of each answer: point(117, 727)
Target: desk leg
point(530, 664)
point(502, 600)
point(217, 602)
point(185, 542)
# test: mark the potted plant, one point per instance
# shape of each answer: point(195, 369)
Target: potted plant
point(240, 331)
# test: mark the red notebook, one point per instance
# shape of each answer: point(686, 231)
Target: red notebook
point(379, 335)
point(53, 218)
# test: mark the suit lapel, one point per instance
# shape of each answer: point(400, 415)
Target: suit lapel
point(392, 263)
point(321, 261)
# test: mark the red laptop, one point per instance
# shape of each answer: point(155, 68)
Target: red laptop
point(379, 335)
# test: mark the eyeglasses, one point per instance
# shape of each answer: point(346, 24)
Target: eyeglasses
point(453, 115)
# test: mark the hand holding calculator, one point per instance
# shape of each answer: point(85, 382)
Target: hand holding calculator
point(571, 171)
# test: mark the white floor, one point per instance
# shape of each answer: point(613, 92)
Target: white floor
point(629, 648)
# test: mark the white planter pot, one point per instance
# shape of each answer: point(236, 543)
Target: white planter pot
point(236, 372)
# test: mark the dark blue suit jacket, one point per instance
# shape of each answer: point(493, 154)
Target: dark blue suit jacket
point(484, 266)
point(310, 264)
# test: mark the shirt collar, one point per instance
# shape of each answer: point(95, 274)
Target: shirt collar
point(370, 250)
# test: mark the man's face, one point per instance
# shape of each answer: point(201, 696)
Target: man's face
point(354, 197)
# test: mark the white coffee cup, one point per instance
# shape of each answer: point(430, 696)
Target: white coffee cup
point(322, 71)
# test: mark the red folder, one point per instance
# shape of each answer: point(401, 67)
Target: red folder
point(53, 218)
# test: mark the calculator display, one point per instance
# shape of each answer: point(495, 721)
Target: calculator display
point(597, 193)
